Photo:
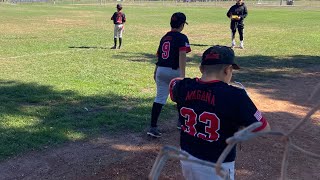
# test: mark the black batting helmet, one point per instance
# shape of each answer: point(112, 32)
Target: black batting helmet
point(119, 6)
point(177, 19)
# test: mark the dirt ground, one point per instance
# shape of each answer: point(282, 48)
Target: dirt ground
point(131, 156)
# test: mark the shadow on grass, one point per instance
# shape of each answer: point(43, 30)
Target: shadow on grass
point(32, 116)
point(87, 47)
point(260, 72)
point(200, 45)
point(136, 57)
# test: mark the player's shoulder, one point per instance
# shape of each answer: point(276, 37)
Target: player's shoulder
point(237, 91)
point(236, 88)
point(181, 81)
point(182, 35)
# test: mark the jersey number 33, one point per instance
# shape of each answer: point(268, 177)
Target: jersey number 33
point(210, 120)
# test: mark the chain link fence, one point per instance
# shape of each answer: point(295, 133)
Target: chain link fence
point(307, 3)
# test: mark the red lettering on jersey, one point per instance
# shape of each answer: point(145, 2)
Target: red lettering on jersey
point(190, 95)
point(200, 95)
point(211, 121)
point(190, 123)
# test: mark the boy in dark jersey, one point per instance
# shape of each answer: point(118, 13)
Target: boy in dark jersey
point(171, 63)
point(237, 13)
point(119, 18)
point(210, 111)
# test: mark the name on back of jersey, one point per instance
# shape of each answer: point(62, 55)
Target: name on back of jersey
point(205, 96)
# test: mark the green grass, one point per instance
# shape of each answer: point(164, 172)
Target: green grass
point(60, 82)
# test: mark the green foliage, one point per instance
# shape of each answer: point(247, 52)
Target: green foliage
point(61, 82)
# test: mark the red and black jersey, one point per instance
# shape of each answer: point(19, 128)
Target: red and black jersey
point(118, 18)
point(211, 112)
point(170, 46)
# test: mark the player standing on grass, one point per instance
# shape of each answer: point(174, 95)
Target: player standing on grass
point(237, 13)
point(171, 64)
point(119, 18)
point(210, 111)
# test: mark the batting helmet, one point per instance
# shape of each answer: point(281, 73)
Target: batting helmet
point(119, 6)
point(177, 19)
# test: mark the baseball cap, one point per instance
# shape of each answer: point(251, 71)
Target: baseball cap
point(219, 55)
point(119, 6)
point(177, 19)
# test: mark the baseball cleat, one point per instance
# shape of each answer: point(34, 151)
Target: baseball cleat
point(233, 43)
point(154, 132)
point(241, 45)
point(113, 47)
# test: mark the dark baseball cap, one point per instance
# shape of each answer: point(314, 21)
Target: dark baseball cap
point(219, 55)
point(177, 19)
point(119, 6)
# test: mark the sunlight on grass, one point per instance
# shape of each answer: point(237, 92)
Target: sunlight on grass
point(74, 136)
point(11, 122)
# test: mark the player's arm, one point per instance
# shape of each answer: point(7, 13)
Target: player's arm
point(123, 18)
point(249, 113)
point(155, 73)
point(245, 12)
point(184, 48)
point(173, 88)
point(182, 63)
point(229, 13)
point(112, 17)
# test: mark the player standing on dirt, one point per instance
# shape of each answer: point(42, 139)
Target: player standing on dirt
point(171, 64)
point(210, 111)
point(237, 13)
point(119, 18)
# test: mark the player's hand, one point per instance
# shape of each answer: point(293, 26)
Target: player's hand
point(235, 17)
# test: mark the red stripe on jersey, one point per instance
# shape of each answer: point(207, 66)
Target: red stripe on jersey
point(264, 124)
point(171, 85)
point(206, 82)
point(186, 49)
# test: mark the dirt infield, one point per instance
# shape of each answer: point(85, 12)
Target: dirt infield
point(130, 156)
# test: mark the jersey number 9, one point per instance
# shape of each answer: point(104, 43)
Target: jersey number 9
point(165, 50)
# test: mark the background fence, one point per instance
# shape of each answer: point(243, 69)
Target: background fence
point(307, 3)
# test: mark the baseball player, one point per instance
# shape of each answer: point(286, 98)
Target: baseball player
point(171, 63)
point(119, 18)
point(237, 13)
point(210, 111)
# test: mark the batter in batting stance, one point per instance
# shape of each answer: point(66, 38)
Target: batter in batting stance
point(210, 111)
point(119, 18)
point(237, 13)
point(171, 64)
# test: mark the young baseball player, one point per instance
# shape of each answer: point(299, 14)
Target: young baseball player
point(119, 18)
point(237, 13)
point(210, 111)
point(171, 64)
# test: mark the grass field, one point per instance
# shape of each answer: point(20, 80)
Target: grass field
point(60, 81)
